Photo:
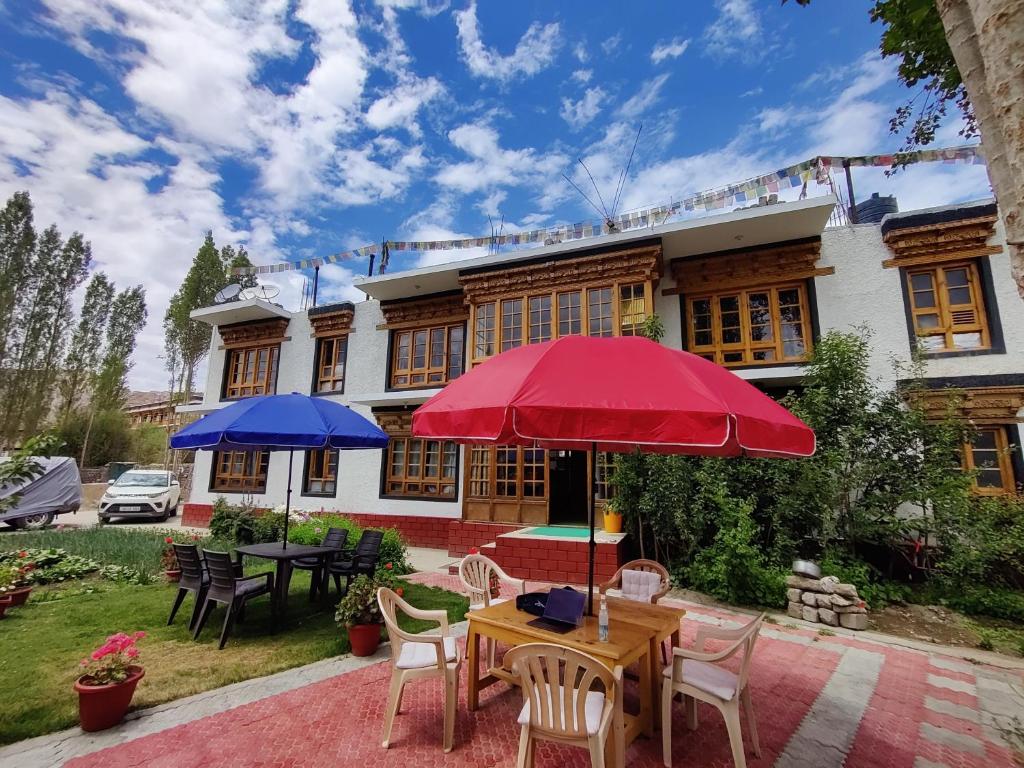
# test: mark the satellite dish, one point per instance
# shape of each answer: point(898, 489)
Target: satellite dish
point(247, 293)
point(267, 291)
point(227, 293)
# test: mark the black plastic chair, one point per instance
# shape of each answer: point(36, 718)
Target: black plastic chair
point(335, 539)
point(193, 579)
point(362, 560)
point(233, 591)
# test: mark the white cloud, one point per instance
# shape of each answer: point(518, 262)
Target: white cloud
point(582, 76)
point(535, 51)
point(611, 44)
point(86, 172)
point(736, 26)
point(757, 91)
point(643, 99)
point(669, 49)
point(399, 106)
point(491, 205)
point(490, 166)
point(580, 52)
point(579, 113)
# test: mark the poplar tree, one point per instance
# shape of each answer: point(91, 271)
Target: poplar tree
point(187, 341)
point(17, 246)
point(127, 318)
point(81, 363)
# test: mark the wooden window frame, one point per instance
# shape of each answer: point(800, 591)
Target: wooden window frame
point(408, 482)
point(1004, 462)
point(255, 466)
point(236, 385)
point(321, 380)
point(443, 370)
point(487, 317)
point(482, 474)
point(946, 311)
point(747, 347)
point(317, 469)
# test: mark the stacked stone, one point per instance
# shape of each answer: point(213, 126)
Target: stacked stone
point(826, 601)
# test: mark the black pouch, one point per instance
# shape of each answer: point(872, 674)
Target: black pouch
point(532, 602)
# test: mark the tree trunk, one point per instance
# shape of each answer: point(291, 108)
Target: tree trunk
point(985, 37)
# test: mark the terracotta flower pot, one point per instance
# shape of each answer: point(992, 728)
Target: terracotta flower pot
point(172, 574)
point(5, 603)
point(19, 596)
point(364, 639)
point(104, 706)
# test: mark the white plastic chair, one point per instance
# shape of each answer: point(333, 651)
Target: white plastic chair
point(697, 675)
point(619, 585)
point(476, 573)
point(559, 703)
point(416, 657)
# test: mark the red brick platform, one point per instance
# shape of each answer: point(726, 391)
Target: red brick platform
point(921, 709)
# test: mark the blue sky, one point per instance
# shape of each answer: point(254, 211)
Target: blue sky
point(307, 127)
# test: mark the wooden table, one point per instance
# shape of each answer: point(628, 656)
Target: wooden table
point(633, 637)
point(284, 555)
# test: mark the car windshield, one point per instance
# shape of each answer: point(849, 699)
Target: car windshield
point(141, 480)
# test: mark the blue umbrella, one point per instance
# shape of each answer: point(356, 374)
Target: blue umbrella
point(281, 423)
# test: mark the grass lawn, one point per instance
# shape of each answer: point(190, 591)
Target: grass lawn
point(44, 641)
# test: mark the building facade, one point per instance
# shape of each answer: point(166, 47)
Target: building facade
point(752, 290)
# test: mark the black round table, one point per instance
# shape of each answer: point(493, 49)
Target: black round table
point(283, 556)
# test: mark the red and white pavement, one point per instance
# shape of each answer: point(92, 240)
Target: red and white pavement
point(821, 702)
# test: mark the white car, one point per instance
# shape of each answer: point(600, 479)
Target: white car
point(150, 493)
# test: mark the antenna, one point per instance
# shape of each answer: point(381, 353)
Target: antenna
point(625, 173)
point(603, 211)
point(227, 293)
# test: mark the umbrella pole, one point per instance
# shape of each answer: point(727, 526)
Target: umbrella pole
point(288, 500)
point(593, 543)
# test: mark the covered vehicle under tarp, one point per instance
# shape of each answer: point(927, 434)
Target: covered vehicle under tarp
point(57, 491)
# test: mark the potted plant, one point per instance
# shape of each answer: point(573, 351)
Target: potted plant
point(359, 612)
point(612, 517)
point(15, 582)
point(172, 571)
point(107, 684)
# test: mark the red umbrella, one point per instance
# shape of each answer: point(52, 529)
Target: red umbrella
point(611, 394)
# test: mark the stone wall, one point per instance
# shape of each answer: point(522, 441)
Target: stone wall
point(826, 601)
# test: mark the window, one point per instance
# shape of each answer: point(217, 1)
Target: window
point(321, 474)
point(603, 310)
point(423, 468)
point(989, 457)
point(508, 473)
point(752, 327)
point(251, 371)
point(427, 356)
point(240, 471)
point(331, 354)
point(947, 308)
point(483, 331)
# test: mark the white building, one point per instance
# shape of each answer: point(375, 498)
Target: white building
point(751, 289)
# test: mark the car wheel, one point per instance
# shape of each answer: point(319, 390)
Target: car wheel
point(34, 522)
point(104, 519)
point(173, 511)
point(161, 517)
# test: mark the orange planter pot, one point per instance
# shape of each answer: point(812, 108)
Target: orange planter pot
point(5, 603)
point(104, 706)
point(364, 639)
point(19, 596)
point(613, 522)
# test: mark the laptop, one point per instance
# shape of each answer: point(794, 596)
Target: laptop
point(563, 611)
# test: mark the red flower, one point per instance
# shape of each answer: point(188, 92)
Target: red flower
point(389, 566)
point(169, 540)
point(23, 553)
point(474, 551)
point(400, 591)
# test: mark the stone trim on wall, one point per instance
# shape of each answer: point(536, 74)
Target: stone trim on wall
point(432, 310)
point(256, 331)
point(941, 242)
point(335, 321)
point(628, 265)
point(979, 405)
point(748, 268)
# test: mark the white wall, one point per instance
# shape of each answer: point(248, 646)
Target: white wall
point(861, 293)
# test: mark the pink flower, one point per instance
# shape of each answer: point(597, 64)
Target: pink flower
point(132, 653)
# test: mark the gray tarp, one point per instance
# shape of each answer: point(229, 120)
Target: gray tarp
point(57, 490)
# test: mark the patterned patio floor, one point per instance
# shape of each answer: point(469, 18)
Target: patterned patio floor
point(820, 701)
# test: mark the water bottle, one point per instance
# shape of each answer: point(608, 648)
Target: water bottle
point(602, 621)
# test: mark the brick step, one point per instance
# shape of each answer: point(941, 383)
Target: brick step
point(555, 560)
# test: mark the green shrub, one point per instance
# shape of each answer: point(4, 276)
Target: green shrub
point(233, 522)
point(872, 588)
point(733, 567)
point(313, 530)
point(132, 547)
point(984, 601)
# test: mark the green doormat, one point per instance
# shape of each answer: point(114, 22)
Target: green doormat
point(562, 532)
